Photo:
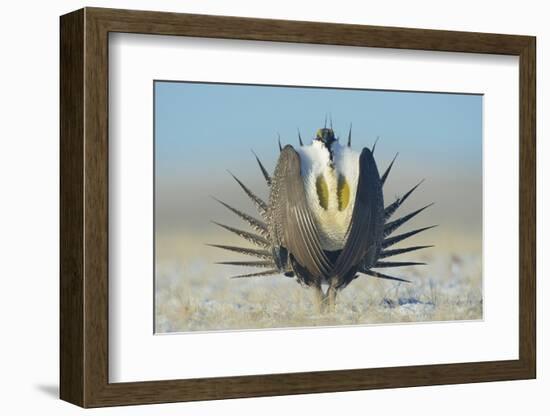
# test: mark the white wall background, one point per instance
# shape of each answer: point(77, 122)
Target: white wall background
point(29, 205)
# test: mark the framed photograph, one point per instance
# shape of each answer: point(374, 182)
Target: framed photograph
point(254, 207)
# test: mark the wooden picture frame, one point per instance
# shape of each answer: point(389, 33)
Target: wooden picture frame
point(84, 207)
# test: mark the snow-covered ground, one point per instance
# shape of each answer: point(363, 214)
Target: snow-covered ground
point(195, 294)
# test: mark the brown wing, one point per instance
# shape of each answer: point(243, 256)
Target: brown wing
point(291, 218)
point(366, 228)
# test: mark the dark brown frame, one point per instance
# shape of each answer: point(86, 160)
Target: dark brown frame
point(84, 209)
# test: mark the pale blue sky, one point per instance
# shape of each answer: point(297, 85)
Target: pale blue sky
point(203, 129)
point(195, 117)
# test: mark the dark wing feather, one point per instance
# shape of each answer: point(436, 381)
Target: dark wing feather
point(291, 221)
point(367, 221)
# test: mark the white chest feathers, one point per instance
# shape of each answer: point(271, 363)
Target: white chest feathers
point(330, 187)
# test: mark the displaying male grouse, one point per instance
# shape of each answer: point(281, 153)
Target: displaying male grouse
point(325, 222)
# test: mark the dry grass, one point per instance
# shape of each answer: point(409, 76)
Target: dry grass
point(194, 294)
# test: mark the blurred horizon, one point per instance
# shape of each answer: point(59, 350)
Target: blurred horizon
point(204, 130)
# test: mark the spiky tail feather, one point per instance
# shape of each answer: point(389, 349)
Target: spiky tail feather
point(260, 204)
point(388, 169)
point(263, 264)
point(390, 209)
point(266, 273)
point(257, 225)
point(390, 227)
point(383, 276)
point(394, 240)
point(382, 264)
point(261, 254)
point(395, 252)
point(252, 238)
point(263, 169)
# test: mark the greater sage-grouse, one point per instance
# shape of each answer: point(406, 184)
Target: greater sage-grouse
point(325, 222)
